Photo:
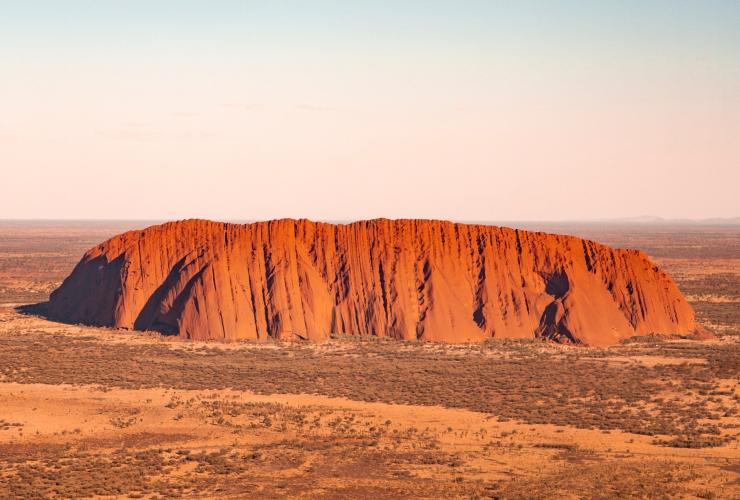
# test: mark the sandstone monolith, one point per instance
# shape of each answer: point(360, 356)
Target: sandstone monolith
point(406, 279)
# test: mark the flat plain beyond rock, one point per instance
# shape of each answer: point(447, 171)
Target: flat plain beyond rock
point(405, 279)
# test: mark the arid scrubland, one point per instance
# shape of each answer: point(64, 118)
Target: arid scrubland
point(88, 412)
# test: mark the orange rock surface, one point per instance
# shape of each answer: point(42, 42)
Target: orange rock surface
point(407, 279)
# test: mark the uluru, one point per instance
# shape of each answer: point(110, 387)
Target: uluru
point(406, 279)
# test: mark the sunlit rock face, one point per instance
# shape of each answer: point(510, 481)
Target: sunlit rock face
point(406, 279)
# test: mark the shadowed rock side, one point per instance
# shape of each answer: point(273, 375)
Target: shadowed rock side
point(407, 279)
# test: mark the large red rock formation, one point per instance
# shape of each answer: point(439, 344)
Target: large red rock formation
point(407, 279)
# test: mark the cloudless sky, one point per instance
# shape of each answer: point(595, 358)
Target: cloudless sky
point(463, 110)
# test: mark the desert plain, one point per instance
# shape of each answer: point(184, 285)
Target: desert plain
point(96, 412)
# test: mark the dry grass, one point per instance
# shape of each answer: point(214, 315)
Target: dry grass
point(530, 382)
point(93, 412)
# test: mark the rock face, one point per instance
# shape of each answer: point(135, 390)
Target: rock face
point(407, 279)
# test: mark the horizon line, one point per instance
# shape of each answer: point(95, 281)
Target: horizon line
point(641, 220)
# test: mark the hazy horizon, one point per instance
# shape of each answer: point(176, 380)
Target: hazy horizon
point(628, 221)
point(469, 111)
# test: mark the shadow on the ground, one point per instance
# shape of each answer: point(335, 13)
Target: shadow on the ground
point(39, 309)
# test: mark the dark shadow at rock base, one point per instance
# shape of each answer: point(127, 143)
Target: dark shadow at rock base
point(39, 309)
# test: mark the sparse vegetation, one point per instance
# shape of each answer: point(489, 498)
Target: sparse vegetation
point(159, 418)
point(544, 384)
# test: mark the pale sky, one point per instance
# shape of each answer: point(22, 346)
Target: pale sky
point(338, 110)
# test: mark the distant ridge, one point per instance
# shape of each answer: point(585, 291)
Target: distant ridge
point(645, 220)
point(651, 219)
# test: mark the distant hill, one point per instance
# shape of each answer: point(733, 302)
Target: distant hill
point(651, 219)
